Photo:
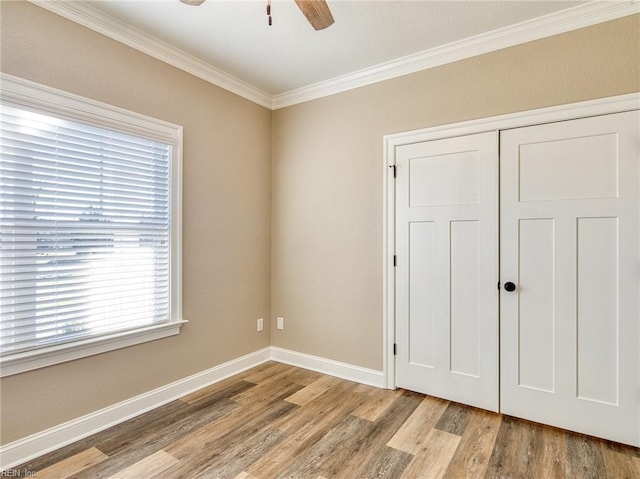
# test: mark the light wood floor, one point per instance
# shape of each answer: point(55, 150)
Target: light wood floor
point(278, 421)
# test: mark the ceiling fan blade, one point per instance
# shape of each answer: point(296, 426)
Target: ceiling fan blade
point(195, 3)
point(317, 12)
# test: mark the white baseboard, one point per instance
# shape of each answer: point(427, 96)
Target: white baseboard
point(329, 366)
point(30, 447)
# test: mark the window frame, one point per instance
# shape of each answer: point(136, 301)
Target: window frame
point(27, 95)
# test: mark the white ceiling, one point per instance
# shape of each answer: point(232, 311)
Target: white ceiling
point(233, 37)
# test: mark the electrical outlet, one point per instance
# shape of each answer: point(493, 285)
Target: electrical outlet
point(260, 324)
point(280, 323)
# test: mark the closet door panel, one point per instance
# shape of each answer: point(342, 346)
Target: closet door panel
point(447, 268)
point(569, 232)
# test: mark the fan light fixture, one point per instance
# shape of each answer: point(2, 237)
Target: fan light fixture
point(316, 11)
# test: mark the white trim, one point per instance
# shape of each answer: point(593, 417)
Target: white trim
point(36, 96)
point(40, 358)
point(595, 107)
point(176, 229)
point(563, 21)
point(388, 269)
point(601, 106)
point(22, 450)
point(111, 27)
point(28, 95)
point(338, 369)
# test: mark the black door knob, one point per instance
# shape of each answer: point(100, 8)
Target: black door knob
point(509, 286)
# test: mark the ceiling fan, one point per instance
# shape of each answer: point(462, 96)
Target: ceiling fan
point(316, 11)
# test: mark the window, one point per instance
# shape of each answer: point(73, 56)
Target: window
point(89, 227)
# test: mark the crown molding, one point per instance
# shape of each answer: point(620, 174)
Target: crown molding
point(111, 27)
point(553, 24)
point(573, 18)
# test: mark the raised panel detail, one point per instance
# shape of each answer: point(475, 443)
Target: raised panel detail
point(536, 316)
point(422, 293)
point(464, 299)
point(441, 180)
point(597, 325)
point(554, 170)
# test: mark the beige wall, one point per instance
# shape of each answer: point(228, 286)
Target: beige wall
point(226, 196)
point(326, 211)
point(326, 267)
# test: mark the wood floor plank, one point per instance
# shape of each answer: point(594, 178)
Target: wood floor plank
point(307, 425)
point(584, 457)
point(553, 460)
point(332, 450)
point(230, 392)
point(268, 389)
point(138, 422)
point(228, 454)
point(245, 475)
point(303, 376)
point(264, 372)
point(337, 464)
point(621, 448)
point(454, 419)
point(474, 451)
point(135, 446)
point(54, 457)
point(341, 398)
point(72, 465)
point(215, 435)
point(300, 439)
point(238, 455)
point(176, 423)
point(374, 401)
point(431, 461)
point(388, 463)
point(411, 434)
point(313, 390)
point(374, 443)
point(166, 431)
point(209, 432)
point(620, 466)
point(527, 449)
point(282, 372)
point(213, 389)
point(149, 466)
point(278, 459)
point(511, 456)
point(146, 421)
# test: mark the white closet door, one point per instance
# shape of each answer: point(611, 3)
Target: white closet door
point(570, 243)
point(447, 269)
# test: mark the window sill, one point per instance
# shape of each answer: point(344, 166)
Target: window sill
point(30, 360)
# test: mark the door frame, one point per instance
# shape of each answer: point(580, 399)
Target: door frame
point(601, 106)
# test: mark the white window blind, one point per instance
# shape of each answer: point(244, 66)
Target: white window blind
point(85, 231)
